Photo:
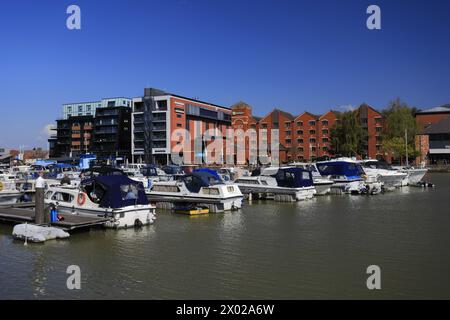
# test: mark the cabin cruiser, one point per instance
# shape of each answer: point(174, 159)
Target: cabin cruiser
point(321, 184)
point(349, 176)
point(390, 177)
point(414, 175)
point(116, 197)
point(200, 188)
point(9, 194)
point(281, 184)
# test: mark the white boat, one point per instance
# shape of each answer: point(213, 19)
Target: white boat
point(348, 177)
point(414, 175)
point(281, 184)
point(322, 184)
point(116, 197)
point(9, 194)
point(390, 177)
point(200, 188)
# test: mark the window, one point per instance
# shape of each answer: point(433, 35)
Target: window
point(288, 133)
point(312, 140)
point(312, 131)
point(264, 125)
point(313, 149)
point(325, 140)
point(179, 125)
point(80, 108)
point(129, 192)
point(287, 125)
point(312, 122)
point(378, 129)
point(377, 120)
point(300, 140)
point(288, 141)
point(300, 149)
point(325, 131)
point(299, 131)
point(179, 116)
point(325, 149)
point(63, 197)
point(325, 122)
point(300, 123)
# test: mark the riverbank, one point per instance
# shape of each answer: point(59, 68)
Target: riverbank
point(439, 169)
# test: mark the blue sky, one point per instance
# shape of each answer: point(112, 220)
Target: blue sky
point(294, 55)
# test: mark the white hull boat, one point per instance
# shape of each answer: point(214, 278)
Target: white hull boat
point(281, 184)
point(199, 188)
point(118, 198)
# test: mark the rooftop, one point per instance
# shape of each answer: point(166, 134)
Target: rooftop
point(442, 109)
point(442, 126)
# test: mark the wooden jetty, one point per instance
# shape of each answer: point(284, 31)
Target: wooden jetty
point(21, 213)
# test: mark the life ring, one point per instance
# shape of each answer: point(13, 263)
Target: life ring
point(81, 199)
point(1, 186)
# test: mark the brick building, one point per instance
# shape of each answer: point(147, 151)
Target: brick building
point(307, 137)
point(157, 115)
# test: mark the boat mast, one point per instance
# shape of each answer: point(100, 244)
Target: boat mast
point(406, 145)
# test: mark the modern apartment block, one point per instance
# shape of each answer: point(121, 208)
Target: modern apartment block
point(156, 116)
point(90, 108)
point(112, 133)
point(73, 137)
point(306, 137)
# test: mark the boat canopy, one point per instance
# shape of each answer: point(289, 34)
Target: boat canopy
point(340, 168)
point(293, 178)
point(196, 180)
point(114, 191)
point(172, 169)
point(210, 171)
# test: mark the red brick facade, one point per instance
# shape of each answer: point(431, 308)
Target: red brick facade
point(307, 137)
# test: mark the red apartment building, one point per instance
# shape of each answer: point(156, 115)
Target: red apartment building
point(157, 115)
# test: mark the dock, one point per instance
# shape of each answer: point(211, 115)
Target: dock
point(21, 213)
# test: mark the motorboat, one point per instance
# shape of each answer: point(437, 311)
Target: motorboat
point(279, 183)
point(348, 176)
point(200, 188)
point(9, 194)
point(414, 175)
point(322, 184)
point(232, 173)
point(390, 177)
point(116, 197)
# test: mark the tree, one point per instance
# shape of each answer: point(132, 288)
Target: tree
point(399, 117)
point(348, 137)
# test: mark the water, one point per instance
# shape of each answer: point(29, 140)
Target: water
point(309, 250)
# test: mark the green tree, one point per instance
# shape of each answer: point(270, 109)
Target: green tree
point(348, 137)
point(399, 117)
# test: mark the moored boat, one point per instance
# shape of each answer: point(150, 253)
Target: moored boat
point(116, 197)
point(282, 184)
point(200, 188)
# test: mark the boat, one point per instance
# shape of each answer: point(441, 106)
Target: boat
point(390, 177)
point(116, 197)
point(9, 194)
point(322, 184)
point(348, 177)
point(279, 183)
point(414, 175)
point(200, 188)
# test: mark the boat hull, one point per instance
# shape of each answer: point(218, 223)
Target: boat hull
point(123, 218)
point(214, 204)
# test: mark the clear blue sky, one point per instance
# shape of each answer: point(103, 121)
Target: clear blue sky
point(295, 55)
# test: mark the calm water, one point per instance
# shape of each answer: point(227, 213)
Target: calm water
point(315, 249)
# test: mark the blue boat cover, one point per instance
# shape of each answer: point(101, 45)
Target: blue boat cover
point(116, 191)
point(198, 179)
point(294, 178)
point(340, 168)
point(210, 171)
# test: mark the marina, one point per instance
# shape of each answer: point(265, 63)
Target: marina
point(315, 249)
